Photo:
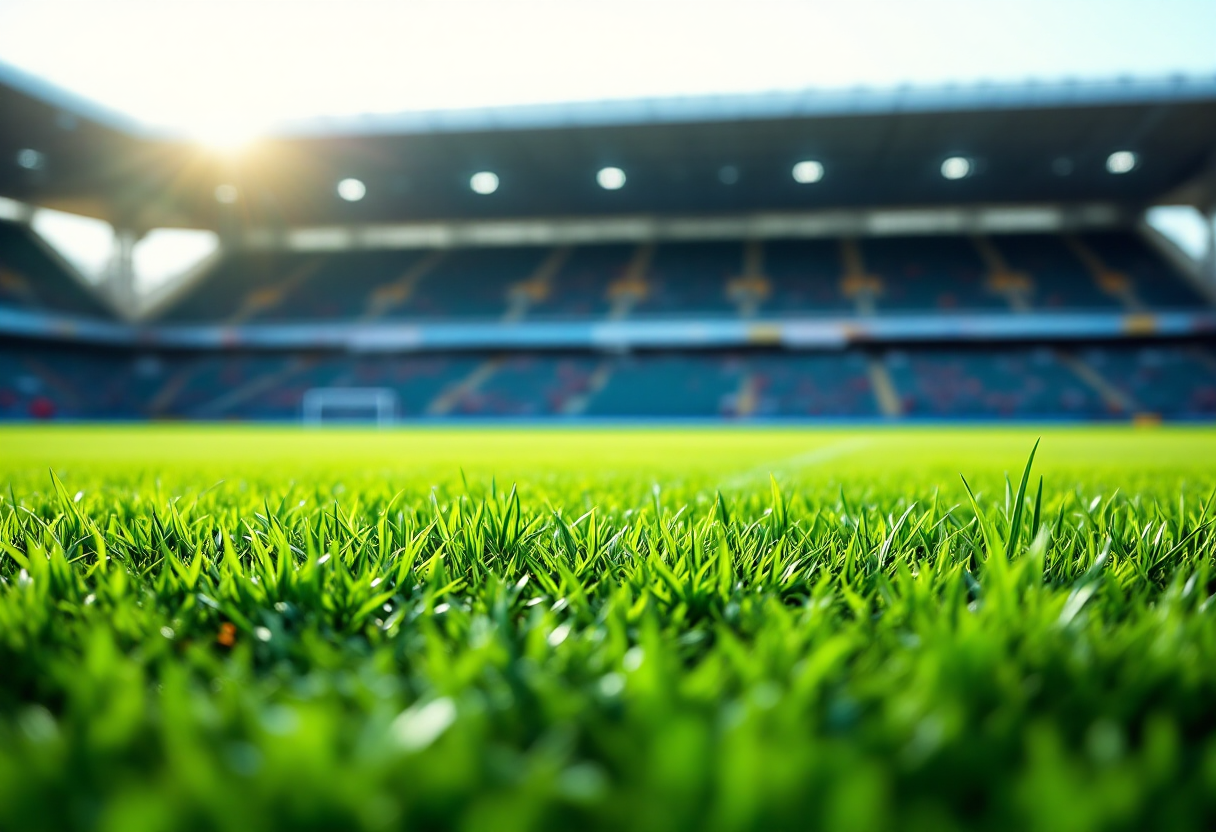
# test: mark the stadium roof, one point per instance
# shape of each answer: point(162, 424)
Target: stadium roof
point(1032, 142)
point(767, 106)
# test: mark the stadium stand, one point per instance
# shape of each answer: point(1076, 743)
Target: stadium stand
point(669, 386)
point(527, 385)
point(1058, 276)
point(580, 287)
point(274, 286)
point(830, 385)
point(758, 278)
point(996, 384)
point(940, 274)
point(49, 382)
point(692, 278)
point(1120, 257)
point(1168, 380)
point(1029, 286)
point(474, 283)
point(30, 279)
point(805, 277)
point(1171, 380)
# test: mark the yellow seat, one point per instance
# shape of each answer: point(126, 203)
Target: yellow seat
point(1005, 282)
point(261, 298)
point(13, 282)
point(531, 290)
point(749, 288)
point(628, 287)
point(856, 285)
point(1113, 283)
point(393, 293)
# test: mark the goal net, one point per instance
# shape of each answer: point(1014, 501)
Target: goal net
point(349, 405)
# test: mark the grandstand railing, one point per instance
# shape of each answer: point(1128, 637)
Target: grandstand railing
point(651, 333)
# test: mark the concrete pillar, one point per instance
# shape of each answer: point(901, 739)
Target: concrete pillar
point(1209, 270)
point(119, 279)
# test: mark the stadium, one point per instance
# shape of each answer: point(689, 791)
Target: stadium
point(970, 253)
point(596, 463)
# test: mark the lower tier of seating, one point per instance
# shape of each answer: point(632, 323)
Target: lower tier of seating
point(1167, 380)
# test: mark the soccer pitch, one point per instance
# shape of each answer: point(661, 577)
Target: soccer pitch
point(679, 628)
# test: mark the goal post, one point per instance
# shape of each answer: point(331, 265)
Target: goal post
point(347, 405)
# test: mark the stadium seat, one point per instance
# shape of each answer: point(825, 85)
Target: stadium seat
point(1177, 381)
point(1114, 271)
point(691, 278)
point(472, 283)
point(804, 275)
point(1157, 284)
point(748, 292)
point(667, 386)
point(1011, 383)
point(1173, 381)
point(528, 386)
point(581, 286)
point(925, 274)
point(632, 287)
point(536, 288)
point(856, 284)
point(812, 386)
point(1062, 281)
point(751, 288)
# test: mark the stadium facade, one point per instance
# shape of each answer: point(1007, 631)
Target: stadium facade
point(952, 253)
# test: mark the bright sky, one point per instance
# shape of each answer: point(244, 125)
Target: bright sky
point(225, 69)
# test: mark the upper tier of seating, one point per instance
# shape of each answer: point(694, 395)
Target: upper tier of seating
point(32, 280)
point(1109, 271)
point(1015, 382)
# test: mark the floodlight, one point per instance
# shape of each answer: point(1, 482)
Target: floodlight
point(30, 159)
point(611, 179)
point(352, 190)
point(808, 172)
point(484, 182)
point(956, 167)
point(226, 194)
point(1121, 161)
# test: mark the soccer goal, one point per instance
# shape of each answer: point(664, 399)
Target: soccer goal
point(347, 405)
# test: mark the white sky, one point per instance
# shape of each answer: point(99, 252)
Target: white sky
point(225, 69)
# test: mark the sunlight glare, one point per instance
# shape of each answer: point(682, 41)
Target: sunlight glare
point(223, 72)
point(226, 137)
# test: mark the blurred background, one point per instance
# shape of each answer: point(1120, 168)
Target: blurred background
point(376, 212)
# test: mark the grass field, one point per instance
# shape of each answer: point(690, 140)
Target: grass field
point(702, 629)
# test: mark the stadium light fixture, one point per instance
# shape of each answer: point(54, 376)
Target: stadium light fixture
point(611, 179)
point(484, 182)
point(352, 190)
point(1121, 161)
point(808, 172)
point(226, 194)
point(30, 159)
point(956, 167)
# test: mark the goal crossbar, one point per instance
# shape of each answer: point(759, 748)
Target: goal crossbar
point(350, 404)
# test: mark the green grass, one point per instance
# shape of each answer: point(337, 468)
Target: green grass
point(255, 628)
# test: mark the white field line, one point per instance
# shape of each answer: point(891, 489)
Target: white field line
point(797, 462)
